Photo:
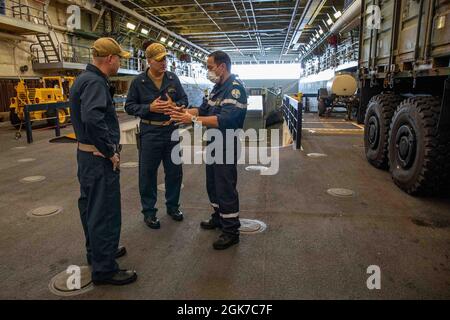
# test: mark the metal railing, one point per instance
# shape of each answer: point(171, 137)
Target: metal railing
point(22, 10)
point(332, 57)
point(293, 115)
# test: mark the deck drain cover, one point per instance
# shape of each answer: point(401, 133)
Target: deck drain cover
point(45, 211)
point(58, 284)
point(33, 179)
point(249, 226)
point(256, 168)
point(129, 165)
point(316, 155)
point(26, 160)
point(340, 192)
point(162, 187)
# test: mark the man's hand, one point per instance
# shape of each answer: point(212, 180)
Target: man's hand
point(175, 110)
point(170, 102)
point(159, 106)
point(115, 159)
point(181, 116)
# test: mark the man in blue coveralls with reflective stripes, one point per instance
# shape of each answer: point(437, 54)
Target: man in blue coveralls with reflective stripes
point(225, 109)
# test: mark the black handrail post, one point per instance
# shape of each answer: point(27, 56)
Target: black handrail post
point(28, 125)
point(299, 125)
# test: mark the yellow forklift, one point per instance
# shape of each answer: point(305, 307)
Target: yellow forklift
point(55, 89)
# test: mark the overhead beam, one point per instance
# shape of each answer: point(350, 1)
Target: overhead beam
point(146, 20)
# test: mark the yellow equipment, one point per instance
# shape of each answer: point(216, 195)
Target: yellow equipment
point(55, 89)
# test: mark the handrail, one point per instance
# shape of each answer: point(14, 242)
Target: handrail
point(293, 116)
point(19, 10)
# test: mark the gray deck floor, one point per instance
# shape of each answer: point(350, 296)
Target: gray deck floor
point(315, 246)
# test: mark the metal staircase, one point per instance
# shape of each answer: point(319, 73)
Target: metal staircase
point(49, 49)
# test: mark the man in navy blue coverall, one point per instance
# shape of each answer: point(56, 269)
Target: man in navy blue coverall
point(151, 95)
point(96, 127)
point(224, 109)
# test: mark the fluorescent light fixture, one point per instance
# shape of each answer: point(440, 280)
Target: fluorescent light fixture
point(131, 26)
point(177, 45)
point(329, 21)
point(337, 14)
point(188, 50)
point(170, 43)
point(320, 31)
point(144, 31)
point(182, 48)
point(317, 36)
point(162, 39)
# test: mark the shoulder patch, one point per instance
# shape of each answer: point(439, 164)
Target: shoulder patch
point(236, 93)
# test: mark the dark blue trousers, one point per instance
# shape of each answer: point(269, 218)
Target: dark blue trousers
point(100, 211)
point(221, 181)
point(156, 146)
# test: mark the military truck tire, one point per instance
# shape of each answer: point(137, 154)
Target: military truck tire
point(376, 128)
point(419, 155)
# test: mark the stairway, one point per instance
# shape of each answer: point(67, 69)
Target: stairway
point(48, 47)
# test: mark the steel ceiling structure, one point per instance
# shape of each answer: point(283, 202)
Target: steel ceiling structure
point(249, 30)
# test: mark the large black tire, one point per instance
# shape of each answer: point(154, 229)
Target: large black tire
point(419, 155)
point(376, 128)
point(321, 107)
point(14, 118)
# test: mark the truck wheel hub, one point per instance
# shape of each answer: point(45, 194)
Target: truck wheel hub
point(373, 132)
point(406, 146)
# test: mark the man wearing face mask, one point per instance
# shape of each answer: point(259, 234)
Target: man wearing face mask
point(224, 109)
point(151, 96)
point(97, 130)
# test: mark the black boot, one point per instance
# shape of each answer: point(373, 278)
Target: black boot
point(176, 215)
point(225, 240)
point(152, 222)
point(210, 224)
point(120, 278)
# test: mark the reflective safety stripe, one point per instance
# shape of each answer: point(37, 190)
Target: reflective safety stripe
point(211, 103)
point(229, 215)
point(214, 205)
point(235, 102)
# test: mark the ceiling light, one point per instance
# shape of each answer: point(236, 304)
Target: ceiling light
point(329, 21)
point(162, 39)
point(337, 14)
point(170, 43)
point(320, 31)
point(182, 48)
point(317, 36)
point(144, 31)
point(187, 50)
point(131, 26)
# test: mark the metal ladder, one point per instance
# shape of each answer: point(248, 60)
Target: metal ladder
point(51, 54)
